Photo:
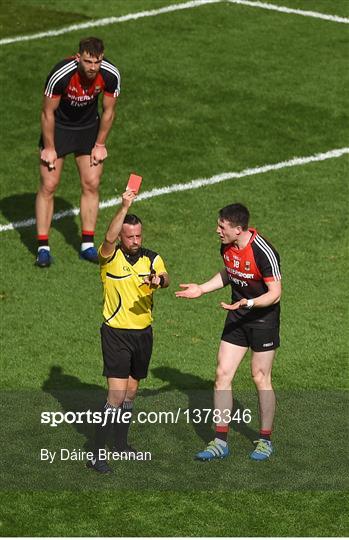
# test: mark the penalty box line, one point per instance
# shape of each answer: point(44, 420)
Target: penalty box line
point(193, 184)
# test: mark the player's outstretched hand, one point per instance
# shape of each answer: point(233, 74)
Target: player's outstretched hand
point(98, 155)
point(233, 307)
point(127, 198)
point(191, 290)
point(48, 157)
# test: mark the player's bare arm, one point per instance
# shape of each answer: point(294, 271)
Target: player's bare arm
point(115, 226)
point(272, 296)
point(193, 290)
point(99, 152)
point(48, 154)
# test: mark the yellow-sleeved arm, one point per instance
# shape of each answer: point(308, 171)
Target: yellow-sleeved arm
point(104, 260)
point(159, 265)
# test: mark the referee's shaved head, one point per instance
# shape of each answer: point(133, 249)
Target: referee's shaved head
point(236, 214)
point(132, 219)
point(131, 234)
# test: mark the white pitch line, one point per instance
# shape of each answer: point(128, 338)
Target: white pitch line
point(167, 9)
point(284, 9)
point(109, 20)
point(194, 184)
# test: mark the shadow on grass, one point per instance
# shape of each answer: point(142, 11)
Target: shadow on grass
point(74, 396)
point(199, 393)
point(21, 207)
point(304, 463)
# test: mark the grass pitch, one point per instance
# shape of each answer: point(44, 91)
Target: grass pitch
point(207, 90)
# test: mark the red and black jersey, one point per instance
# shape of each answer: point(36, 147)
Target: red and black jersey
point(78, 107)
point(249, 270)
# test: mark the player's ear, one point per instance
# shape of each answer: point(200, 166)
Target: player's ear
point(78, 56)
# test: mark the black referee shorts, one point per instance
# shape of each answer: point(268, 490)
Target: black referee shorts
point(126, 352)
point(259, 339)
point(73, 141)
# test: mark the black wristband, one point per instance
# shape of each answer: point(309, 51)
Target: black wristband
point(162, 281)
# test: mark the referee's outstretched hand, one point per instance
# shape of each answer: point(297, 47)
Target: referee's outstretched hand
point(153, 280)
point(191, 290)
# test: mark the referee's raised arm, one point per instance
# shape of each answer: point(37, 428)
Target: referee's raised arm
point(116, 223)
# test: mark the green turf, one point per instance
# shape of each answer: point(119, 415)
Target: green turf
point(207, 90)
point(184, 514)
point(40, 16)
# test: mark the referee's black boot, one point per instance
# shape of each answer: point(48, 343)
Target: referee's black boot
point(99, 465)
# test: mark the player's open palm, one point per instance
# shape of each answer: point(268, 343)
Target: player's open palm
point(190, 290)
point(233, 307)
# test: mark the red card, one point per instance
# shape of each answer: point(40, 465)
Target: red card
point(134, 183)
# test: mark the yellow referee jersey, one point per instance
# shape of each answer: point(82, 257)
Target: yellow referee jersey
point(128, 301)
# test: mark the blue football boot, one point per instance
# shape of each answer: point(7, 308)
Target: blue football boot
point(44, 259)
point(90, 254)
point(263, 450)
point(214, 450)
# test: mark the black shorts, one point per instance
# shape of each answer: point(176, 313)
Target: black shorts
point(126, 352)
point(258, 338)
point(73, 141)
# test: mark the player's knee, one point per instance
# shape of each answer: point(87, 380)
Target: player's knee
point(261, 379)
point(223, 379)
point(48, 189)
point(90, 184)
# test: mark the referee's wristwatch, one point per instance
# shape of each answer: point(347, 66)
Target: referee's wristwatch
point(250, 303)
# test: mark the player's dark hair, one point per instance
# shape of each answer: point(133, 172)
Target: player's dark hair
point(91, 45)
point(236, 214)
point(132, 219)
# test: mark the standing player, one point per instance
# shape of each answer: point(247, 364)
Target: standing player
point(252, 268)
point(130, 274)
point(70, 123)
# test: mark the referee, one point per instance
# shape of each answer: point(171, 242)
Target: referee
point(130, 275)
point(252, 268)
point(70, 124)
